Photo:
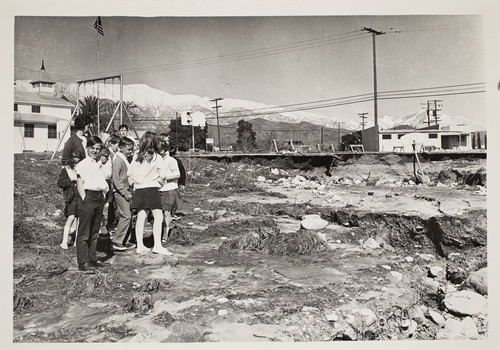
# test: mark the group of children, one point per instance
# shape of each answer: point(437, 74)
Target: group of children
point(117, 175)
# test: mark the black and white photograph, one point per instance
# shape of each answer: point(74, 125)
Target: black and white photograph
point(189, 174)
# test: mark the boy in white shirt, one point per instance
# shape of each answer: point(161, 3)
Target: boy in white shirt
point(92, 188)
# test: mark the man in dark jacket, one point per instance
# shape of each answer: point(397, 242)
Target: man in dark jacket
point(77, 142)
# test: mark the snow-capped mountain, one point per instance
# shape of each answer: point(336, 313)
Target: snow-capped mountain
point(419, 119)
point(158, 101)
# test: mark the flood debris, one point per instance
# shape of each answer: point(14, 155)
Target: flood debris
point(96, 284)
point(180, 236)
point(151, 286)
point(164, 319)
point(139, 303)
point(399, 265)
point(274, 242)
point(21, 301)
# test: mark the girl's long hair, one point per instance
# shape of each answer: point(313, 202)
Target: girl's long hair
point(148, 146)
point(71, 161)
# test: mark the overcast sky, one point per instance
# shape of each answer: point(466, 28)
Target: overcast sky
point(277, 60)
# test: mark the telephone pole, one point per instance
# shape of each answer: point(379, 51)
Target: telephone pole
point(216, 100)
point(375, 105)
point(362, 116)
point(436, 109)
point(428, 112)
point(321, 139)
point(177, 122)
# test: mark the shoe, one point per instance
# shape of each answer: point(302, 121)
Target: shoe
point(129, 245)
point(85, 267)
point(97, 263)
point(119, 247)
point(164, 240)
point(64, 245)
point(163, 251)
point(142, 250)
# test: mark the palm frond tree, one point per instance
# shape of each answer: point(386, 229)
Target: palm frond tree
point(89, 105)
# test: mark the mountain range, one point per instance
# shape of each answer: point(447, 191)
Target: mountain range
point(160, 104)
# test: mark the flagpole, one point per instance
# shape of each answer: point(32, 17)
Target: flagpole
point(97, 74)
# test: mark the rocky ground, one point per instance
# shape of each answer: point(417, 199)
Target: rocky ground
point(268, 251)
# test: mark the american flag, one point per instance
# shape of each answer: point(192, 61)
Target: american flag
point(98, 25)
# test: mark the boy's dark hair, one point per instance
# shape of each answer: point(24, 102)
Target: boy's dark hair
point(93, 140)
point(126, 141)
point(123, 126)
point(82, 120)
point(162, 145)
point(71, 161)
point(114, 139)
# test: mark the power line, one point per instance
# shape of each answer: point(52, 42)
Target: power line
point(362, 97)
point(284, 48)
point(231, 57)
point(349, 102)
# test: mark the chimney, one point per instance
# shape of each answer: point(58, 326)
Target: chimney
point(43, 66)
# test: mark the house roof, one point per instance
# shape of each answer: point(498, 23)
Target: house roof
point(424, 131)
point(36, 118)
point(40, 99)
point(42, 76)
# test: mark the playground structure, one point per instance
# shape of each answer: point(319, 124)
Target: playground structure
point(119, 106)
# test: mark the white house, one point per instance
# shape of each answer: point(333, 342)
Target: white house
point(40, 117)
point(401, 140)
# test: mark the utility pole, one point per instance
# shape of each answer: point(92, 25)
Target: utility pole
point(177, 122)
point(338, 135)
point(436, 109)
point(362, 116)
point(375, 105)
point(321, 140)
point(428, 113)
point(192, 127)
point(216, 100)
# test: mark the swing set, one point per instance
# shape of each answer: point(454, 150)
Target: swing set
point(119, 106)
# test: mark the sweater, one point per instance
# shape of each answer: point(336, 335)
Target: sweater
point(120, 179)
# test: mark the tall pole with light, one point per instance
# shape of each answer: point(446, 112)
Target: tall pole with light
point(192, 126)
point(375, 102)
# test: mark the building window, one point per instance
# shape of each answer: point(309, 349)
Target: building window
point(386, 137)
point(35, 109)
point(15, 107)
point(29, 130)
point(433, 136)
point(52, 132)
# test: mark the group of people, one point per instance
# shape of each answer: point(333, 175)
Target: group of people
point(102, 177)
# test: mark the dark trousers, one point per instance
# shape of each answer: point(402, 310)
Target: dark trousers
point(90, 216)
point(111, 215)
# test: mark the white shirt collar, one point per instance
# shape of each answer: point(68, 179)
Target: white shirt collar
point(83, 138)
